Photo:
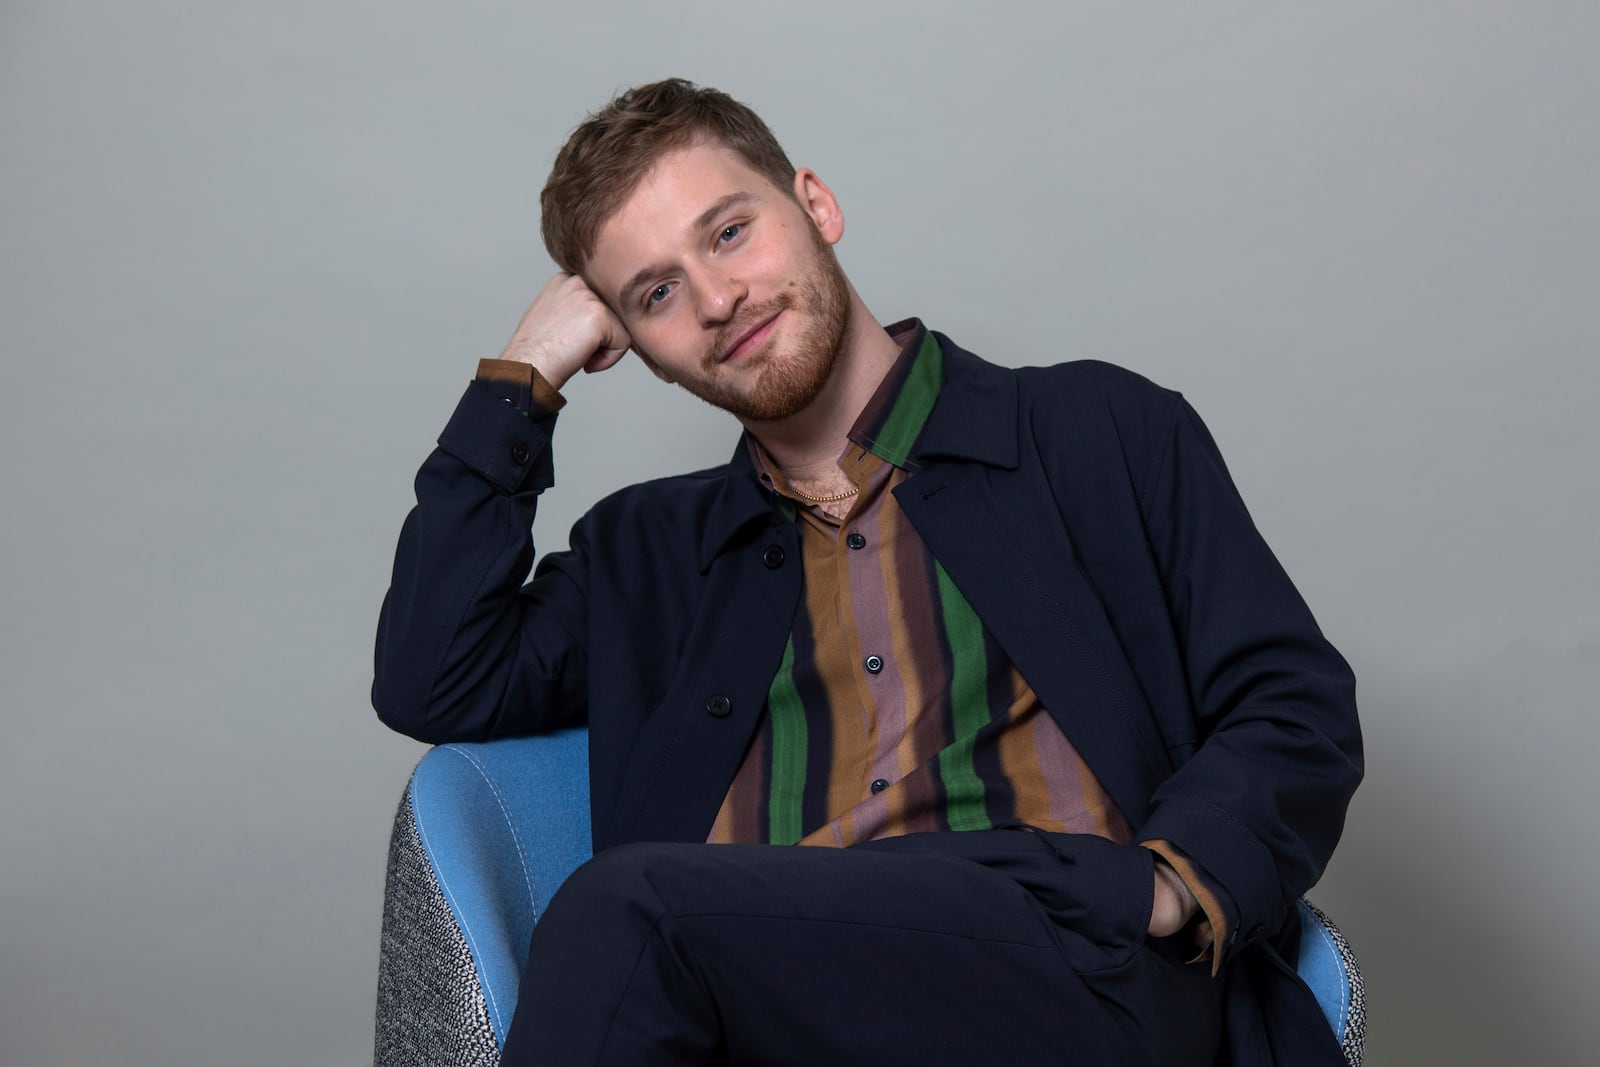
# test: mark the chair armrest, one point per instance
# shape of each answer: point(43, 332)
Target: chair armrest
point(1329, 967)
point(484, 836)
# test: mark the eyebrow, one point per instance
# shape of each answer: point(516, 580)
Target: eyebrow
point(704, 219)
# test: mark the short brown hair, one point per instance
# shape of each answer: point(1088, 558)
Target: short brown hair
point(614, 148)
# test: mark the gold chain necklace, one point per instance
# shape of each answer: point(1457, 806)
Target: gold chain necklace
point(834, 499)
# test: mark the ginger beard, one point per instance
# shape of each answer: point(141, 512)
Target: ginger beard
point(783, 381)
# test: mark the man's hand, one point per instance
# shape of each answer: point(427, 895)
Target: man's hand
point(1174, 906)
point(565, 329)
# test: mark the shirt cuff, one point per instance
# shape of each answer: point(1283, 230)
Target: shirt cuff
point(1213, 899)
point(522, 385)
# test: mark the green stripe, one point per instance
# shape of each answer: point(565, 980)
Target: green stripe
point(788, 783)
point(969, 707)
point(913, 405)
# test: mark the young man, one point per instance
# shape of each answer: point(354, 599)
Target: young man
point(1004, 644)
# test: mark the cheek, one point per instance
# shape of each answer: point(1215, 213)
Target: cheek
point(781, 254)
point(665, 340)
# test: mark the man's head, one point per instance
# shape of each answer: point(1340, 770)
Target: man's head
point(680, 211)
point(607, 156)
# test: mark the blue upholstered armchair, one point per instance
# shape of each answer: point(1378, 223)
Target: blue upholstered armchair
point(484, 836)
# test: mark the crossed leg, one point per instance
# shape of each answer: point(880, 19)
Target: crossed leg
point(983, 947)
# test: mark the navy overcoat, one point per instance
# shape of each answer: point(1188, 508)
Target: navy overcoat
point(1085, 514)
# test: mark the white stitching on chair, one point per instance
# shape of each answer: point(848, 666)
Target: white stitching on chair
point(422, 832)
point(1354, 1039)
point(1344, 975)
point(499, 798)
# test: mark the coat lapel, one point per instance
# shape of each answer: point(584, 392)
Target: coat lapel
point(986, 509)
point(1015, 566)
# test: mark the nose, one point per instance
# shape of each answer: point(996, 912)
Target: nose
point(718, 296)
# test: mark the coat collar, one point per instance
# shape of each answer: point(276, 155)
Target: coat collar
point(974, 419)
point(976, 416)
point(741, 501)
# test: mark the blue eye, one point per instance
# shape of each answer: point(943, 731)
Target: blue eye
point(730, 232)
point(658, 294)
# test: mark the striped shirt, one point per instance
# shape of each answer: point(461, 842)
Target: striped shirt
point(895, 710)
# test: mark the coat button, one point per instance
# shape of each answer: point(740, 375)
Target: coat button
point(773, 556)
point(879, 785)
point(719, 705)
point(855, 540)
point(520, 454)
point(874, 664)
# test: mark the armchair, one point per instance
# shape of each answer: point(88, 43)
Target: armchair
point(484, 836)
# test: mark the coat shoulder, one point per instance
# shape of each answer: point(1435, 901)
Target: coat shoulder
point(1084, 383)
point(1080, 387)
point(674, 498)
point(1096, 406)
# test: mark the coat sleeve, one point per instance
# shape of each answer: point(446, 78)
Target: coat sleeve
point(465, 651)
point(1260, 804)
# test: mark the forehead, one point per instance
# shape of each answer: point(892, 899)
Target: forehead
point(659, 218)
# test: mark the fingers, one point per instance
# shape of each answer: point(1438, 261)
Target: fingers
point(568, 328)
point(604, 360)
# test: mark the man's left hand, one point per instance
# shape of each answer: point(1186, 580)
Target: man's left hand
point(1174, 906)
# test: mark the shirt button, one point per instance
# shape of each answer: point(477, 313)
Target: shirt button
point(855, 540)
point(874, 664)
point(773, 556)
point(719, 705)
point(520, 454)
point(879, 785)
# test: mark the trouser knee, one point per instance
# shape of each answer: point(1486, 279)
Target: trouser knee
point(618, 887)
point(608, 978)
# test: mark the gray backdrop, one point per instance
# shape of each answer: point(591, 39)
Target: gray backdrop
point(250, 253)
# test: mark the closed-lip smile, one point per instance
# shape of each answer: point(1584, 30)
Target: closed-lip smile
point(750, 338)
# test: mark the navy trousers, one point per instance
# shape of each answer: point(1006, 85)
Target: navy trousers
point(1009, 946)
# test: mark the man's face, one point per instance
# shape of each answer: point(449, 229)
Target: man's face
point(727, 285)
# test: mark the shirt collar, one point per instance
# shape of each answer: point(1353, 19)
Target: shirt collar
point(893, 419)
point(975, 420)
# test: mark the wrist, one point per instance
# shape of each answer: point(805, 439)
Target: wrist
point(536, 357)
point(1174, 906)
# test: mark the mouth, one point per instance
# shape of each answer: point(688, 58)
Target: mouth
point(751, 339)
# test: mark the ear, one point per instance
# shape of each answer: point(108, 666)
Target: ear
point(818, 201)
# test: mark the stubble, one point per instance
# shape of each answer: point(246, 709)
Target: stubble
point(788, 379)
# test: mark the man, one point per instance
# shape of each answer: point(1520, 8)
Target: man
point(1004, 645)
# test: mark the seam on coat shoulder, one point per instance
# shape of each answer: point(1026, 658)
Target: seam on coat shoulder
point(1158, 463)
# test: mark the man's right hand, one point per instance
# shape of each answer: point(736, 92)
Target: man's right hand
point(567, 328)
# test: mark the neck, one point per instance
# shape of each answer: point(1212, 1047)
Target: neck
point(807, 445)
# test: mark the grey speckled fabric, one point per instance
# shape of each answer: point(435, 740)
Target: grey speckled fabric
point(431, 1009)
